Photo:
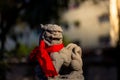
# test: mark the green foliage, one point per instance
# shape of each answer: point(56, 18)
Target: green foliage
point(23, 51)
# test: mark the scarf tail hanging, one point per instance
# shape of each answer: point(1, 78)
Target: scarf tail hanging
point(44, 59)
point(46, 65)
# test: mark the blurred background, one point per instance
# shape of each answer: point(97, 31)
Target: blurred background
point(94, 25)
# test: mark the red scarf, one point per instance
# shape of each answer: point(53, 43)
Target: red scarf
point(41, 53)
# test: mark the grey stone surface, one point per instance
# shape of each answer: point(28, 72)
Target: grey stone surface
point(69, 56)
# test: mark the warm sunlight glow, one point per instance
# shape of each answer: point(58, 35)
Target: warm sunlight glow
point(114, 20)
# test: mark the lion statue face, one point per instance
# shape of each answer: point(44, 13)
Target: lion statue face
point(52, 34)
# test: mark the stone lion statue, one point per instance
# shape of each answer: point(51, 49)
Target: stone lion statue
point(67, 60)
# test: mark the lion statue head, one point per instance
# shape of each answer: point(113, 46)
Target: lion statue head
point(52, 34)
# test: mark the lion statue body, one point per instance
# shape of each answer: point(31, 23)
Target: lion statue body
point(69, 56)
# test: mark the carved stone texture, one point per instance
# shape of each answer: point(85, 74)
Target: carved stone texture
point(67, 61)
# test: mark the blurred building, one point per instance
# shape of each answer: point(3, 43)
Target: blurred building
point(88, 23)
